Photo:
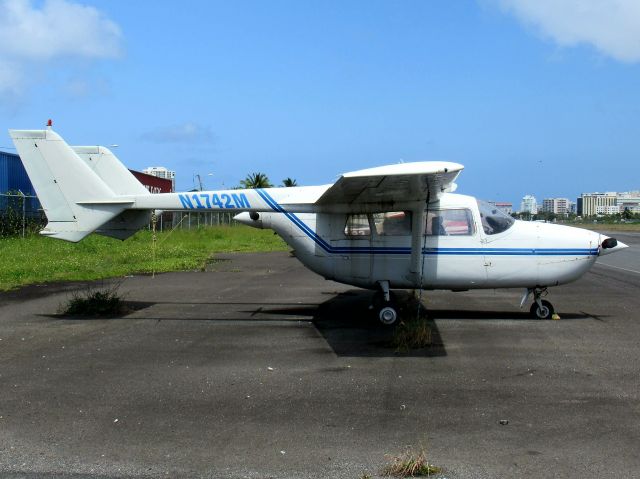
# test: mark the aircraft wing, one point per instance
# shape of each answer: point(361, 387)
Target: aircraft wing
point(392, 184)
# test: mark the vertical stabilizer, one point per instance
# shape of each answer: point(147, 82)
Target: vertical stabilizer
point(75, 199)
point(110, 170)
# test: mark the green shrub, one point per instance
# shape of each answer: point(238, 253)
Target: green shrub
point(104, 302)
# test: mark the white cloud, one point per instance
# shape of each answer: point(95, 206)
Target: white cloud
point(611, 26)
point(34, 36)
point(80, 87)
point(188, 132)
point(9, 77)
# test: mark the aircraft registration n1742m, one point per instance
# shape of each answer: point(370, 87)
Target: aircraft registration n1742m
point(391, 227)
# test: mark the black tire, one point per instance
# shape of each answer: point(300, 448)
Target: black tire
point(386, 311)
point(542, 313)
point(388, 315)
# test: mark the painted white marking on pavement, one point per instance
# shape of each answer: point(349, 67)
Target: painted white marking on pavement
point(618, 267)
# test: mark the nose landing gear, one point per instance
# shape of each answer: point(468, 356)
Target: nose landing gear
point(541, 308)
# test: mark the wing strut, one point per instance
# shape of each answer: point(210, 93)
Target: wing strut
point(418, 230)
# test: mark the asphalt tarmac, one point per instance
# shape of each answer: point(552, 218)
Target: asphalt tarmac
point(258, 368)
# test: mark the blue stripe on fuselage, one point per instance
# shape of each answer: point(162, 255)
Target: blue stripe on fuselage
point(426, 251)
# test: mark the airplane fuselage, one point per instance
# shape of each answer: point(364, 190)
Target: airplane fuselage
point(355, 249)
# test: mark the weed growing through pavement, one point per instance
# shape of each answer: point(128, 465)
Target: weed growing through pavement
point(410, 464)
point(97, 302)
point(414, 332)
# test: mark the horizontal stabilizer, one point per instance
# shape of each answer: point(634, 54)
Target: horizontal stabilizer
point(126, 224)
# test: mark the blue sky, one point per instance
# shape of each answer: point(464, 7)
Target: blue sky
point(533, 96)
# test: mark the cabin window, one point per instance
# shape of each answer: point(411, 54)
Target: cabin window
point(494, 220)
point(357, 225)
point(454, 222)
point(392, 223)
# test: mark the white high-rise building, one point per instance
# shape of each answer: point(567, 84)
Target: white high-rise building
point(607, 210)
point(558, 206)
point(529, 204)
point(598, 203)
point(162, 172)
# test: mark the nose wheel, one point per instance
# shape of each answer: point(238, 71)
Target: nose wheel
point(541, 308)
point(544, 310)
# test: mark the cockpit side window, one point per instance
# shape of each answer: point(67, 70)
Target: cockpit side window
point(357, 225)
point(392, 223)
point(494, 220)
point(453, 222)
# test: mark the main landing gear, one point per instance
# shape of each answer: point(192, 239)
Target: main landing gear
point(384, 304)
point(541, 308)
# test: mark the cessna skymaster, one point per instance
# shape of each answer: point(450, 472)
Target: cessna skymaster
point(391, 227)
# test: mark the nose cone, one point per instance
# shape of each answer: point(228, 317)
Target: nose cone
point(610, 245)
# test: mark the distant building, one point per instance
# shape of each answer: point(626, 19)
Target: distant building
point(573, 208)
point(153, 183)
point(596, 203)
point(558, 206)
point(607, 210)
point(156, 185)
point(14, 179)
point(629, 201)
point(13, 176)
point(506, 207)
point(162, 172)
point(529, 204)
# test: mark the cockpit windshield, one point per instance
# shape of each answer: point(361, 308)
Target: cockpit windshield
point(494, 220)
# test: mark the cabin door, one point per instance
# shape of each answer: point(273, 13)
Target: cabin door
point(453, 253)
point(351, 247)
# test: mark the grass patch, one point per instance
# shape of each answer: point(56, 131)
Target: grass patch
point(95, 302)
point(413, 332)
point(37, 259)
point(410, 464)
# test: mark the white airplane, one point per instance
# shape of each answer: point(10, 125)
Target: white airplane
point(392, 227)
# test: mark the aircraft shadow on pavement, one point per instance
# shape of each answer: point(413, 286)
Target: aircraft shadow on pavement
point(344, 320)
point(352, 330)
point(519, 315)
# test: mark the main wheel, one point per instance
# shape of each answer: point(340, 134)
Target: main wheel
point(388, 315)
point(544, 312)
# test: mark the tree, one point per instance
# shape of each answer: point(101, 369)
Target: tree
point(288, 182)
point(256, 180)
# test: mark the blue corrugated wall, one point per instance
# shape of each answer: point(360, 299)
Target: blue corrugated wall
point(13, 177)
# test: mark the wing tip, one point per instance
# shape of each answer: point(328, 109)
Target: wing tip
point(418, 167)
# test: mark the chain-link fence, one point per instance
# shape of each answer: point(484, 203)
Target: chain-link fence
point(20, 214)
point(192, 220)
